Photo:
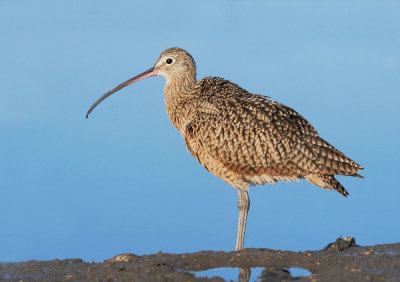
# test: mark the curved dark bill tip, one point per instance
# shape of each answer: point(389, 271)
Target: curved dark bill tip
point(148, 73)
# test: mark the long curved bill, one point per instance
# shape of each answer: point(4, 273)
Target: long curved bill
point(148, 73)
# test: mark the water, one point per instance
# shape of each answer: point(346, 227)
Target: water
point(228, 273)
point(298, 271)
point(232, 274)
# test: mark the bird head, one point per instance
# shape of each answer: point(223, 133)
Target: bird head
point(175, 63)
point(172, 63)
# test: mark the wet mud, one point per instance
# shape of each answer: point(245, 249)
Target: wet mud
point(342, 260)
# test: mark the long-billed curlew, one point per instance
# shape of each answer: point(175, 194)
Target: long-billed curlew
point(243, 138)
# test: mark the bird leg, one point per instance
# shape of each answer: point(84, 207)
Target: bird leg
point(244, 274)
point(243, 205)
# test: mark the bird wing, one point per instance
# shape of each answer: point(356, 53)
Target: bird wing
point(252, 134)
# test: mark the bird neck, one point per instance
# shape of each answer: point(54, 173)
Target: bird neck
point(179, 88)
point(178, 94)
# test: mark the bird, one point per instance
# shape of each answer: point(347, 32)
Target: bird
point(243, 138)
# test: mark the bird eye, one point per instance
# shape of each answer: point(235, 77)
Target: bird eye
point(169, 61)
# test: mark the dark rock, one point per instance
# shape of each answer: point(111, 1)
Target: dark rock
point(272, 275)
point(341, 244)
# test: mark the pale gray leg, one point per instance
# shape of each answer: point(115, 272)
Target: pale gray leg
point(243, 205)
point(244, 274)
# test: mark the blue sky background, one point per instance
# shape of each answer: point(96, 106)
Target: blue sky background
point(122, 181)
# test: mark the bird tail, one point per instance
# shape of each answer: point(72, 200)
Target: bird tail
point(327, 182)
point(357, 175)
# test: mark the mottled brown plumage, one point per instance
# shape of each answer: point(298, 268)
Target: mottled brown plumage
point(243, 138)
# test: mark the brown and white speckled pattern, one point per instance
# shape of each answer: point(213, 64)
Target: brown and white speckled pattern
point(246, 138)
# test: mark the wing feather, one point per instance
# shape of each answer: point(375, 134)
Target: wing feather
point(253, 134)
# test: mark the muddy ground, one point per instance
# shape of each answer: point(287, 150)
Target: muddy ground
point(342, 260)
